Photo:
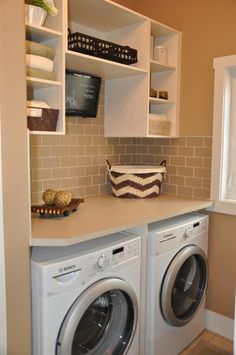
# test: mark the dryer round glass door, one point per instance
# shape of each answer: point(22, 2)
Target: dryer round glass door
point(101, 321)
point(184, 285)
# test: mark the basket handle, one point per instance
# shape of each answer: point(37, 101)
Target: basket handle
point(108, 164)
point(163, 163)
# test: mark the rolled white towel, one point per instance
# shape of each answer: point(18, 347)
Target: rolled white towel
point(38, 62)
point(159, 124)
point(36, 103)
point(34, 108)
point(157, 117)
point(34, 112)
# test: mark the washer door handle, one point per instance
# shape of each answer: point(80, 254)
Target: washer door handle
point(67, 277)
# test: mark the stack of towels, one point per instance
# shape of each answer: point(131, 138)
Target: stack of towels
point(159, 124)
point(39, 60)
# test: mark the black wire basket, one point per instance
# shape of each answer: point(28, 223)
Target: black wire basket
point(80, 42)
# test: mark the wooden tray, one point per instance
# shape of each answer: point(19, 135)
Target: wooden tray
point(54, 210)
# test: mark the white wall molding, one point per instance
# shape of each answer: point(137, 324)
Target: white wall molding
point(219, 324)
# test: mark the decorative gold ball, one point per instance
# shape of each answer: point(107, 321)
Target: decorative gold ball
point(63, 198)
point(49, 196)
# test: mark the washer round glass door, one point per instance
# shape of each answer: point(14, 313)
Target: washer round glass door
point(101, 321)
point(184, 286)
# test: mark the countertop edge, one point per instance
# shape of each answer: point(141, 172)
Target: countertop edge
point(38, 241)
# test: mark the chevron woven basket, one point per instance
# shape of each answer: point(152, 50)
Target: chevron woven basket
point(136, 181)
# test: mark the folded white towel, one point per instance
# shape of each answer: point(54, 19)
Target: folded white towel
point(36, 103)
point(157, 117)
point(38, 62)
point(159, 124)
point(34, 112)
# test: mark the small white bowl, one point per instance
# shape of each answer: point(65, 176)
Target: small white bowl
point(35, 15)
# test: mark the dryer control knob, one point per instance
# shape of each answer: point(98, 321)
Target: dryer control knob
point(103, 262)
point(188, 232)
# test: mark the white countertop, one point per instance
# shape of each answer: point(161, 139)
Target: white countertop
point(106, 214)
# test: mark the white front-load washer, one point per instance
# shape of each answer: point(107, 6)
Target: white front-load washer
point(177, 280)
point(85, 298)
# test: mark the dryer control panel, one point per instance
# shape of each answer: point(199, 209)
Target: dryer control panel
point(172, 233)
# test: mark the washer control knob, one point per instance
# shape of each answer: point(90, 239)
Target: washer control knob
point(188, 232)
point(103, 262)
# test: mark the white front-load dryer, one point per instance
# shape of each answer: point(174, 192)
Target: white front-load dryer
point(85, 298)
point(177, 280)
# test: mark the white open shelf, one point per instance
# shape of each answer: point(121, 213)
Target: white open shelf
point(157, 101)
point(41, 83)
point(101, 67)
point(49, 133)
point(158, 67)
point(40, 33)
point(160, 136)
point(103, 16)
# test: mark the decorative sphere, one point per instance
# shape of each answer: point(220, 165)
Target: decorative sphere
point(49, 196)
point(63, 198)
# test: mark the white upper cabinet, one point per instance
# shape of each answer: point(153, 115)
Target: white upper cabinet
point(165, 77)
point(136, 107)
point(50, 90)
point(134, 101)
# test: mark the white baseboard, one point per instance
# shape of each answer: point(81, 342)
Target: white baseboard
point(219, 324)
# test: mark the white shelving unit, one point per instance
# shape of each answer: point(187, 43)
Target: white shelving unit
point(101, 67)
point(108, 21)
point(125, 85)
point(50, 91)
point(165, 76)
point(127, 101)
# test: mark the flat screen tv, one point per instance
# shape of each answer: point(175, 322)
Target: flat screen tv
point(82, 94)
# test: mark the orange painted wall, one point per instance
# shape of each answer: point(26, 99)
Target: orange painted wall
point(222, 264)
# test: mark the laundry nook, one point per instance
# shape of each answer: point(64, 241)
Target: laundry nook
point(117, 177)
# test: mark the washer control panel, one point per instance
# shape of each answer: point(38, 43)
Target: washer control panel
point(83, 266)
point(103, 262)
point(188, 232)
point(115, 256)
point(99, 262)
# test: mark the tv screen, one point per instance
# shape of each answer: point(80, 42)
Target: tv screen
point(82, 94)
